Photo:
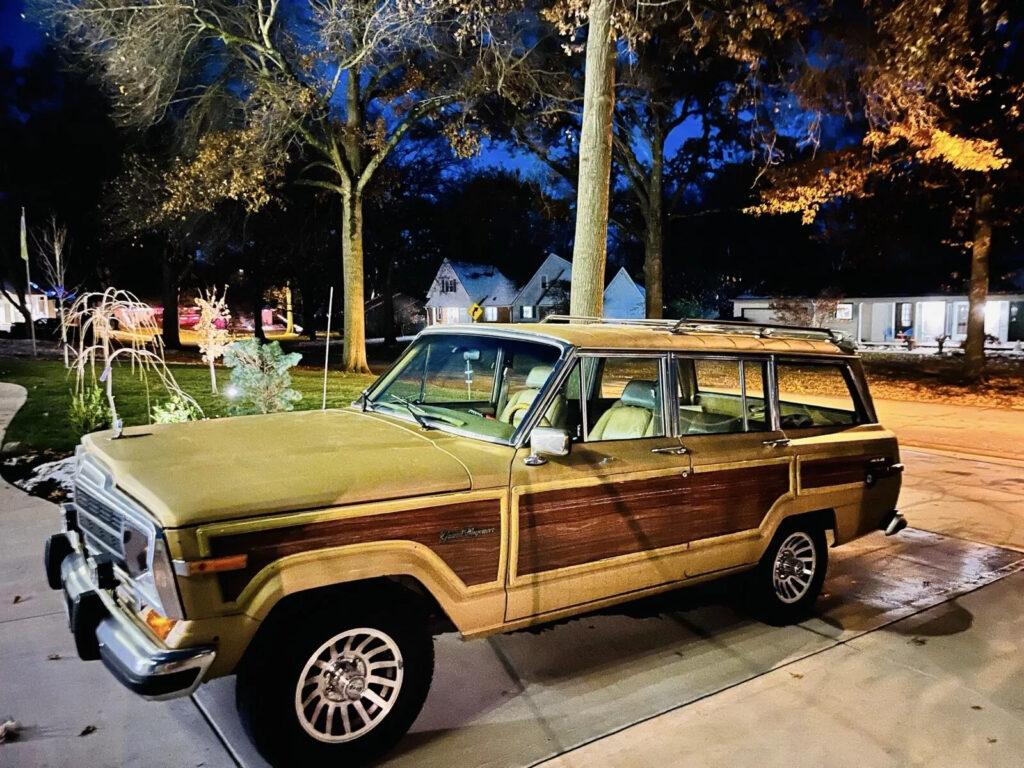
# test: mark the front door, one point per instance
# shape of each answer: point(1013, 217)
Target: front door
point(585, 526)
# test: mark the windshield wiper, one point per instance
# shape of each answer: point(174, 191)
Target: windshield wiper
point(409, 406)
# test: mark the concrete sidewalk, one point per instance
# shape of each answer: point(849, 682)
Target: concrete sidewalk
point(942, 688)
point(48, 690)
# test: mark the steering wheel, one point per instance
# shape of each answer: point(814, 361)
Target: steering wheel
point(544, 422)
point(516, 409)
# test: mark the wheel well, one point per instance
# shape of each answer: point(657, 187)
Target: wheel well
point(390, 590)
point(821, 518)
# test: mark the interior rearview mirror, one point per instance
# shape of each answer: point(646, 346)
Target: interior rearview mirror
point(471, 354)
point(547, 441)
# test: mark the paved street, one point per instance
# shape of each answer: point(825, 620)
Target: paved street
point(916, 658)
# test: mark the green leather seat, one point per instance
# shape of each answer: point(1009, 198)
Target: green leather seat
point(520, 401)
point(635, 414)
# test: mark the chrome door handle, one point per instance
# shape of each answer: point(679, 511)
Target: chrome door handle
point(777, 442)
point(681, 450)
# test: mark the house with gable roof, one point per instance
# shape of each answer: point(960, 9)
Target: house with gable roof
point(458, 285)
point(547, 293)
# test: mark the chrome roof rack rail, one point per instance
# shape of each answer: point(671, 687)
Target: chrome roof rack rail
point(700, 325)
point(647, 322)
point(764, 330)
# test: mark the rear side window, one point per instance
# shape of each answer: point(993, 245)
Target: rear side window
point(817, 395)
point(721, 396)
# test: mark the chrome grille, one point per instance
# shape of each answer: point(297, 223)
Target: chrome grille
point(102, 526)
point(101, 523)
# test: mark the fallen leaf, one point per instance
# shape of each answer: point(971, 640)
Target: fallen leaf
point(992, 740)
point(87, 730)
point(976, 706)
point(797, 675)
point(17, 599)
point(918, 641)
point(9, 730)
point(52, 656)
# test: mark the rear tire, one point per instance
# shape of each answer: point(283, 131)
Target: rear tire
point(788, 579)
point(340, 684)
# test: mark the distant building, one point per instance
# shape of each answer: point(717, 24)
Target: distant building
point(459, 285)
point(624, 298)
point(888, 320)
point(39, 304)
point(547, 293)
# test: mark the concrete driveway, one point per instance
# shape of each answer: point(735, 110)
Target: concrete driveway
point(916, 658)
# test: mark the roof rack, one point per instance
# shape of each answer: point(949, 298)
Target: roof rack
point(649, 322)
point(699, 325)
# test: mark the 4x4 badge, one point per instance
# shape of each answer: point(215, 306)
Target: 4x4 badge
point(464, 533)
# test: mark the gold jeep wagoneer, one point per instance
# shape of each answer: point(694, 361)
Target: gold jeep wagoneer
point(496, 476)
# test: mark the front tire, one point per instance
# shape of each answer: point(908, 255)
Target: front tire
point(789, 577)
point(341, 684)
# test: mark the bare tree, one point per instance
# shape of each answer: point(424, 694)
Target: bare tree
point(212, 328)
point(51, 245)
point(338, 82)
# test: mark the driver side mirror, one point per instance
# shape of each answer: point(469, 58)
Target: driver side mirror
point(547, 441)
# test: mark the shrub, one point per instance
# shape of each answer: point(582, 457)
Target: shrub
point(260, 378)
point(89, 410)
point(177, 410)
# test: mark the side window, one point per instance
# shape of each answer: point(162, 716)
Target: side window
point(816, 395)
point(721, 396)
point(624, 398)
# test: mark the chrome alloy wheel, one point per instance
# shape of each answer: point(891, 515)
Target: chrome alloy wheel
point(349, 685)
point(794, 567)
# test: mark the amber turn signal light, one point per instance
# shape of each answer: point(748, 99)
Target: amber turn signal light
point(210, 565)
point(160, 625)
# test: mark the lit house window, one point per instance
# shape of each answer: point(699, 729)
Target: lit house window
point(527, 313)
point(491, 314)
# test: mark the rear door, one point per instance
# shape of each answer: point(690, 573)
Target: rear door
point(741, 461)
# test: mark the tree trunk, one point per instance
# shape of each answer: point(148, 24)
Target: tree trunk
point(354, 356)
point(655, 235)
point(974, 349)
point(257, 307)
point(590, 245)
point(169, 285)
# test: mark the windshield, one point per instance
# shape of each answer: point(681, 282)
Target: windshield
point(482, 385)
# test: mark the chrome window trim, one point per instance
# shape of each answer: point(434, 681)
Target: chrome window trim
point(768, 374)
point(517, 438)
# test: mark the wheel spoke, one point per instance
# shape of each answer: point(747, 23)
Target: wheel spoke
point(375, 698)
point(378, 680)
point(361, 711)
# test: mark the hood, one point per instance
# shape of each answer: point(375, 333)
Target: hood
point(199, 472)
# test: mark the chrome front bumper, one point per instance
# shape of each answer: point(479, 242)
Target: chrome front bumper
point(103, 630)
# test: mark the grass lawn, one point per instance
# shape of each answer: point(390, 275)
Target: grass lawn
point(42, 423)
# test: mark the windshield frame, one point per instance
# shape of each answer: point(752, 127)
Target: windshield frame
point(517, 438)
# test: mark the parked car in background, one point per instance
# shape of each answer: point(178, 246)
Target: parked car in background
point(494, 478)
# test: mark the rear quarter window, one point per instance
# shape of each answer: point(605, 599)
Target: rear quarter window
point(817, 395)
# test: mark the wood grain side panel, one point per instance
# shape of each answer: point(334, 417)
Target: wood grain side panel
point(821, 473)
point(473, 558)
point(568, 527)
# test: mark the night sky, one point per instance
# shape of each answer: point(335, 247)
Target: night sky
point(17, 33)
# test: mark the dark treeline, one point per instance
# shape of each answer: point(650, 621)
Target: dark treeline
point(490, 187)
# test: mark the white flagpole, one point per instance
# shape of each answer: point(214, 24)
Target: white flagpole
point(28, 282)
point(327, 345)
